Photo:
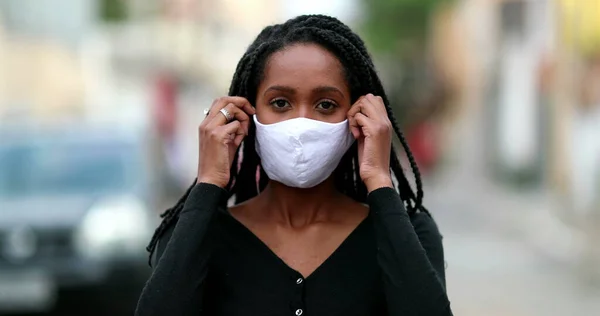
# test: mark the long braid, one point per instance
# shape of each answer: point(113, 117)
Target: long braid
point(343, 174)
point(246, 188)
point(250, 162)
point(415, 169)
point(233, 171)
point(362, 78)
point(400, 135)
point(167, 217)
point(361, 188)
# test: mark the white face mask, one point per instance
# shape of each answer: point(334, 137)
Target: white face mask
point(301, 152)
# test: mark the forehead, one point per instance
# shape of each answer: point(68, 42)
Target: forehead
point(303, 65)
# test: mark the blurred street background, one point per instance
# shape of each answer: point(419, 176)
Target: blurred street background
point(100, 102)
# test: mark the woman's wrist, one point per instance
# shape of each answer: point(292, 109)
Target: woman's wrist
point(384, 181)
point(218, 182)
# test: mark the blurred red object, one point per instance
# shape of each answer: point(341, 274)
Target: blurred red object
point(166, 105)
point(424, 145)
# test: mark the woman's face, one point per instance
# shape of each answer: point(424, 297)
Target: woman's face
point(303, 80)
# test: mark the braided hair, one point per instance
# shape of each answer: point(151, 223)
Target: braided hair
point(362, 78)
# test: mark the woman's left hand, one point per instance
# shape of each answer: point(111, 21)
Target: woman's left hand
point(370, 125)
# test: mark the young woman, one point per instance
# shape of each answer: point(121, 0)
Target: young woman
point(323, 231)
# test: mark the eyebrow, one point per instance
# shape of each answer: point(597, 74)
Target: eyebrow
point(285, 89)
point(325, 89)
point(320, 89)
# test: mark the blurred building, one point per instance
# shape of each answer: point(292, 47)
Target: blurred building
point(504, 57)
point(527, 114)
point(491, 53)
point(185, 54)
point(140, 61)
point(199, 39)
point(40, 70)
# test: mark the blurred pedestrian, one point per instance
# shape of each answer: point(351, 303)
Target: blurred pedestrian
point(323, 230)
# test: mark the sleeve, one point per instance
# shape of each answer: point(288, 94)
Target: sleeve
point(411, 257)
point(175, 286)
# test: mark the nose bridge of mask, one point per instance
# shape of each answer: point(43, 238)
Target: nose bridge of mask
point(300, 159)
point(299, 130)
point(319, 140)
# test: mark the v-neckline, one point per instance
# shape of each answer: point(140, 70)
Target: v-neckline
point(281, 262)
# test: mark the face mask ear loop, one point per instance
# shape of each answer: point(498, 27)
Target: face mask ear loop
point(257, 178)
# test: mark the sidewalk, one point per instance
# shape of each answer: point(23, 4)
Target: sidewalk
point(532, 218)
point(505, 253)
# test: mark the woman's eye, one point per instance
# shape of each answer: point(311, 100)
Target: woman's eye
point(326, 105)
point(280, 103)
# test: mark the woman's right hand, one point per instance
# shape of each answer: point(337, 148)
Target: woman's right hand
point(219, 139)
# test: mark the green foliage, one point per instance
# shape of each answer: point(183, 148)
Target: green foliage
point(392, 25)
point(113, 10)
point(396, 32)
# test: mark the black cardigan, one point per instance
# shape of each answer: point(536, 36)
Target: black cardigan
point(210, 264)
